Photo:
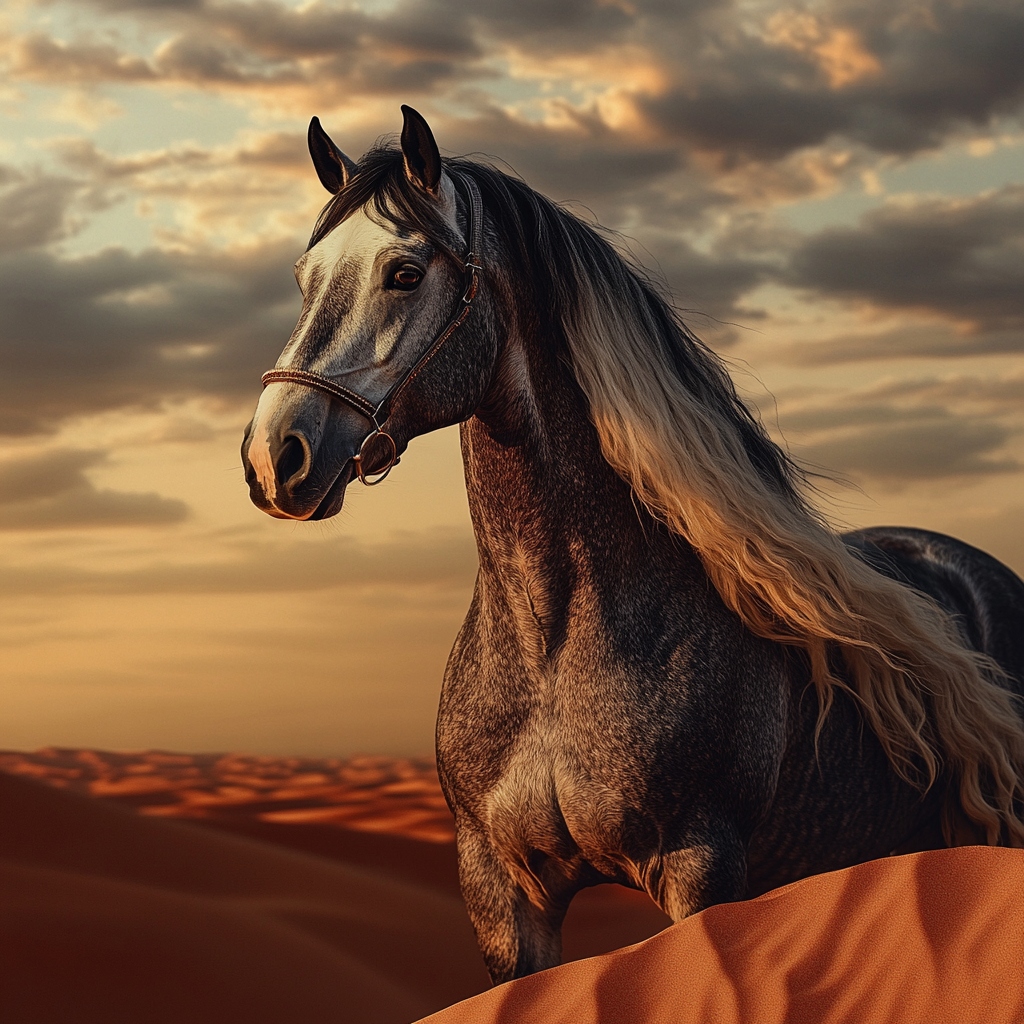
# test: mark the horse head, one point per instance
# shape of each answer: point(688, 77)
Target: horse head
point(385, 347)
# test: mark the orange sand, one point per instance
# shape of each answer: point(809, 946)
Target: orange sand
point(399, 796)
point(114, 917)
point(927, 938)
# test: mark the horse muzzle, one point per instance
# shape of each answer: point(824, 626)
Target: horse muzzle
point(299, 454)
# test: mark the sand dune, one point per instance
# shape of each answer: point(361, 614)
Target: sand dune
point(926, 938)
point(394, 795)
point(115, 917)
point(110, 916)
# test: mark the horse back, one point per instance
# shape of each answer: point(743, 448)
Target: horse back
point(985, 597)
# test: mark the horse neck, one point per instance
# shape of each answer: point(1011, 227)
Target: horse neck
point(554, 522)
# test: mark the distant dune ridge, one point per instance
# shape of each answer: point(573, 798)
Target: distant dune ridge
point(115, 917)
point(399, 796)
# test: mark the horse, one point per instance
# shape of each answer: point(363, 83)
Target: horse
point(674, 674)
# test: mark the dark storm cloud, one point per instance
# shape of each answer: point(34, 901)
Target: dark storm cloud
point(51, 491)
point(116, 329)
point(962, 259)
point(897, 78)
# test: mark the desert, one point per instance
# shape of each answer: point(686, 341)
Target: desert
point(116, 915)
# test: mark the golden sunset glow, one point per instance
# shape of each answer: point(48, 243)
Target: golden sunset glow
point(834, 193)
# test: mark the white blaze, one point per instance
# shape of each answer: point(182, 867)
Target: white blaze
point(259, 442)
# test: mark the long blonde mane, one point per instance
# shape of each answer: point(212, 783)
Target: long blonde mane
point(936, 706)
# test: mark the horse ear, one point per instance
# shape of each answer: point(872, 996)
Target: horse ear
point(333, 168)
point(422, 160)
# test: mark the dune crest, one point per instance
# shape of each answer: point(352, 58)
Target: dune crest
point(926, 938)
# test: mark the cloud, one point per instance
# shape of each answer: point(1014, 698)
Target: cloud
point(1003, 394)
point(51, 491)
point(724, 117)
point(442, 559)
point(920, 341)
point(576, 158)
point(38, 57)
point(243, 191)
point(959, 259)
point(718, 78)
point(336, 52)
point(898, 431)
point(115, 329)
point(935, 450)
point(566, 25)
point(706, 286)
point(35, 208)
point(894, 78)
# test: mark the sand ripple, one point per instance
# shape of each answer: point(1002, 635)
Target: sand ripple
point(396, 796)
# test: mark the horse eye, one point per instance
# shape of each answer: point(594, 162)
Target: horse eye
point(406, 278)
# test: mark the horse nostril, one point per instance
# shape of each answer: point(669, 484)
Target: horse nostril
point(293, 462)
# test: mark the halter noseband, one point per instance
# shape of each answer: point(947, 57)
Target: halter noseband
point(378, 414)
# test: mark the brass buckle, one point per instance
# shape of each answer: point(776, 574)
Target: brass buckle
point(379, 475)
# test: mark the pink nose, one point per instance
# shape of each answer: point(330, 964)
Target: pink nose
point(290, 458)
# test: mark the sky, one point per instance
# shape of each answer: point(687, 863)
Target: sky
point(834, 191)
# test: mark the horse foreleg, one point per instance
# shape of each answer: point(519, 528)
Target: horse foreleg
point(517, 935)
point(698, 875)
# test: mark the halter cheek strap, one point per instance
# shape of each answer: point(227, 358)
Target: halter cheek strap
point(379, 414)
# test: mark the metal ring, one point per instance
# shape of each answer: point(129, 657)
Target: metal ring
point(380, 474)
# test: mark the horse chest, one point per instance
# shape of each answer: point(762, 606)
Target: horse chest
point(590, 756)
point(551, 800)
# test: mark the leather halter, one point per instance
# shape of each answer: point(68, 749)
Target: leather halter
point(379, 414)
